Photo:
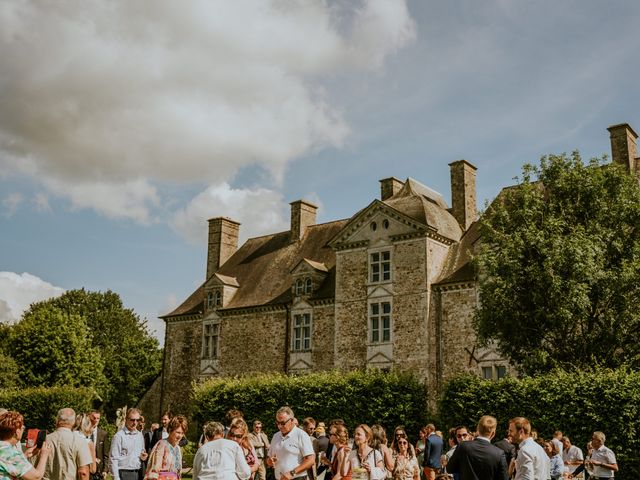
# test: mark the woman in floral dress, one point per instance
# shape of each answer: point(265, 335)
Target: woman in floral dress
point(165, 460)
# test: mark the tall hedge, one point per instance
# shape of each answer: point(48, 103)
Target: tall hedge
point(40, 405)
point(389, 399)
point(576, 403)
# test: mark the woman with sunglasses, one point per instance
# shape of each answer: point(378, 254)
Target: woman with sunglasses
point(398, 433)
point(341, 451)
point(406, 464)
point(239, 433)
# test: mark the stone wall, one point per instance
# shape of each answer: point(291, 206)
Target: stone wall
point(150, 403)
point(181, 362)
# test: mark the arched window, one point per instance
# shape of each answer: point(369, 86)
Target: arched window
point(308, 285)
point(299, 287)
point(217, 298)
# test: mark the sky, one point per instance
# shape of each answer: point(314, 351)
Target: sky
point(125, 125)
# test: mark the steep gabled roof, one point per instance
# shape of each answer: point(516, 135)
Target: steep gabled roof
point(262, 267)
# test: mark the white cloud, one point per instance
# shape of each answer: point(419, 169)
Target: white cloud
point(260, 211)
point(98, 93)
point(18, 291)
point(11, 202)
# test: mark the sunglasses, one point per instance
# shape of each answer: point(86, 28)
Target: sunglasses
point(283, 423)
point(236, 435)
point(403, 442)
point(462, 435)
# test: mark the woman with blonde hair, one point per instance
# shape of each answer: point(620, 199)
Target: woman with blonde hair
point(364, 462)
point(239, 433)
point(341, 450)
point(84, 428)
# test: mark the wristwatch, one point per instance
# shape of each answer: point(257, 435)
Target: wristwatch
point(292, 473)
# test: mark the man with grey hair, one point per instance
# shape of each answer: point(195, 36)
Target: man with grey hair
point(291, 451)
point(70, 456)
point(219, 458)
point(603, 460)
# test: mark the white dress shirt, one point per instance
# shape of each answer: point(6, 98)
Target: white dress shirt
point(532, 462)
point(290, 450)
point(603, 455)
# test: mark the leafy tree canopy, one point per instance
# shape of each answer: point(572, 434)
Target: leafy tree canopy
point(560, 267)
point(118, 343)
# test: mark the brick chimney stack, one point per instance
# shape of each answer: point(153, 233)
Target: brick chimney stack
point(624, 149)
point(389, 187)
point(223, 242)
point(463, 193)
point(303, 214)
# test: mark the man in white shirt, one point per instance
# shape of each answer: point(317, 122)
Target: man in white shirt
point(219, 458)
point(532, 462)
point(291, 451)
point(602, 459)
point(127, 449)
point(571, 456)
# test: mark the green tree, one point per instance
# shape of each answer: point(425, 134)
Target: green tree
point(131, 356)
point(559, 267)
point(53, 348)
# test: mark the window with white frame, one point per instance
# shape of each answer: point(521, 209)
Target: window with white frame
point(210, 338)
point(380, 266)
point(214, 299)
point(308, 286)
point(301, 340)
point(210, 300)
point(299, 287)
point(380, 322)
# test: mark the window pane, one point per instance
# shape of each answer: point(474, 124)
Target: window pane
point(487, 373)
point(375, 308)
point(386, 329)
point(386, 271)
point(501, 371)
point(386, 307)
point(386, 255)
point(375, 257)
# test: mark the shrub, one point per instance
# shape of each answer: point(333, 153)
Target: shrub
point(576, 403)
point(40, 405)
point(389, 399)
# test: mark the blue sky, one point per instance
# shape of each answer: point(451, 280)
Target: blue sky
point(123, 128)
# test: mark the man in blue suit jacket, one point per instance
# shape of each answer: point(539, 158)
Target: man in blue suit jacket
point(432, 453)
point(479, 460)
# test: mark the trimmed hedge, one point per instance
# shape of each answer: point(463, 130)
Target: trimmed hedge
point(40, 405)
point(389, 399)
point(576, 403)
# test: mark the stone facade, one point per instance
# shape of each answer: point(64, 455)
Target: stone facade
point(392, 287)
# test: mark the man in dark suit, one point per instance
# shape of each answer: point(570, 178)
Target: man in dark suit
point(507, 447)
point(101, 442)
point(432, 453)
point(479, 460)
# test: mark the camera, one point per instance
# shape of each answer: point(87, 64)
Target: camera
point(36, 437)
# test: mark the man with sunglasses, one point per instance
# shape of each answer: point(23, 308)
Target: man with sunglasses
point(127, 448)
point(291, 452)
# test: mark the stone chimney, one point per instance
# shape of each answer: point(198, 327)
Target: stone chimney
point(624, 149)
point(223, 242)
point(303, 214)
point(463, 193)
point(389, 187)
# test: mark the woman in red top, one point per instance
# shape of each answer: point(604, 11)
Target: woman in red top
point(342, 449)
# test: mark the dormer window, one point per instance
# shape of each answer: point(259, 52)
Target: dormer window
point(303, 286)
point(214, 299)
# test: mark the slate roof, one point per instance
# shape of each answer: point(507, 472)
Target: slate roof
point(262, 267)
point(426, 206)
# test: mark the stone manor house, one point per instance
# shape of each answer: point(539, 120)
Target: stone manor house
point(391, 287)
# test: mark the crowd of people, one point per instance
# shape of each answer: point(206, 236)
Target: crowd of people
point(79, 449)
